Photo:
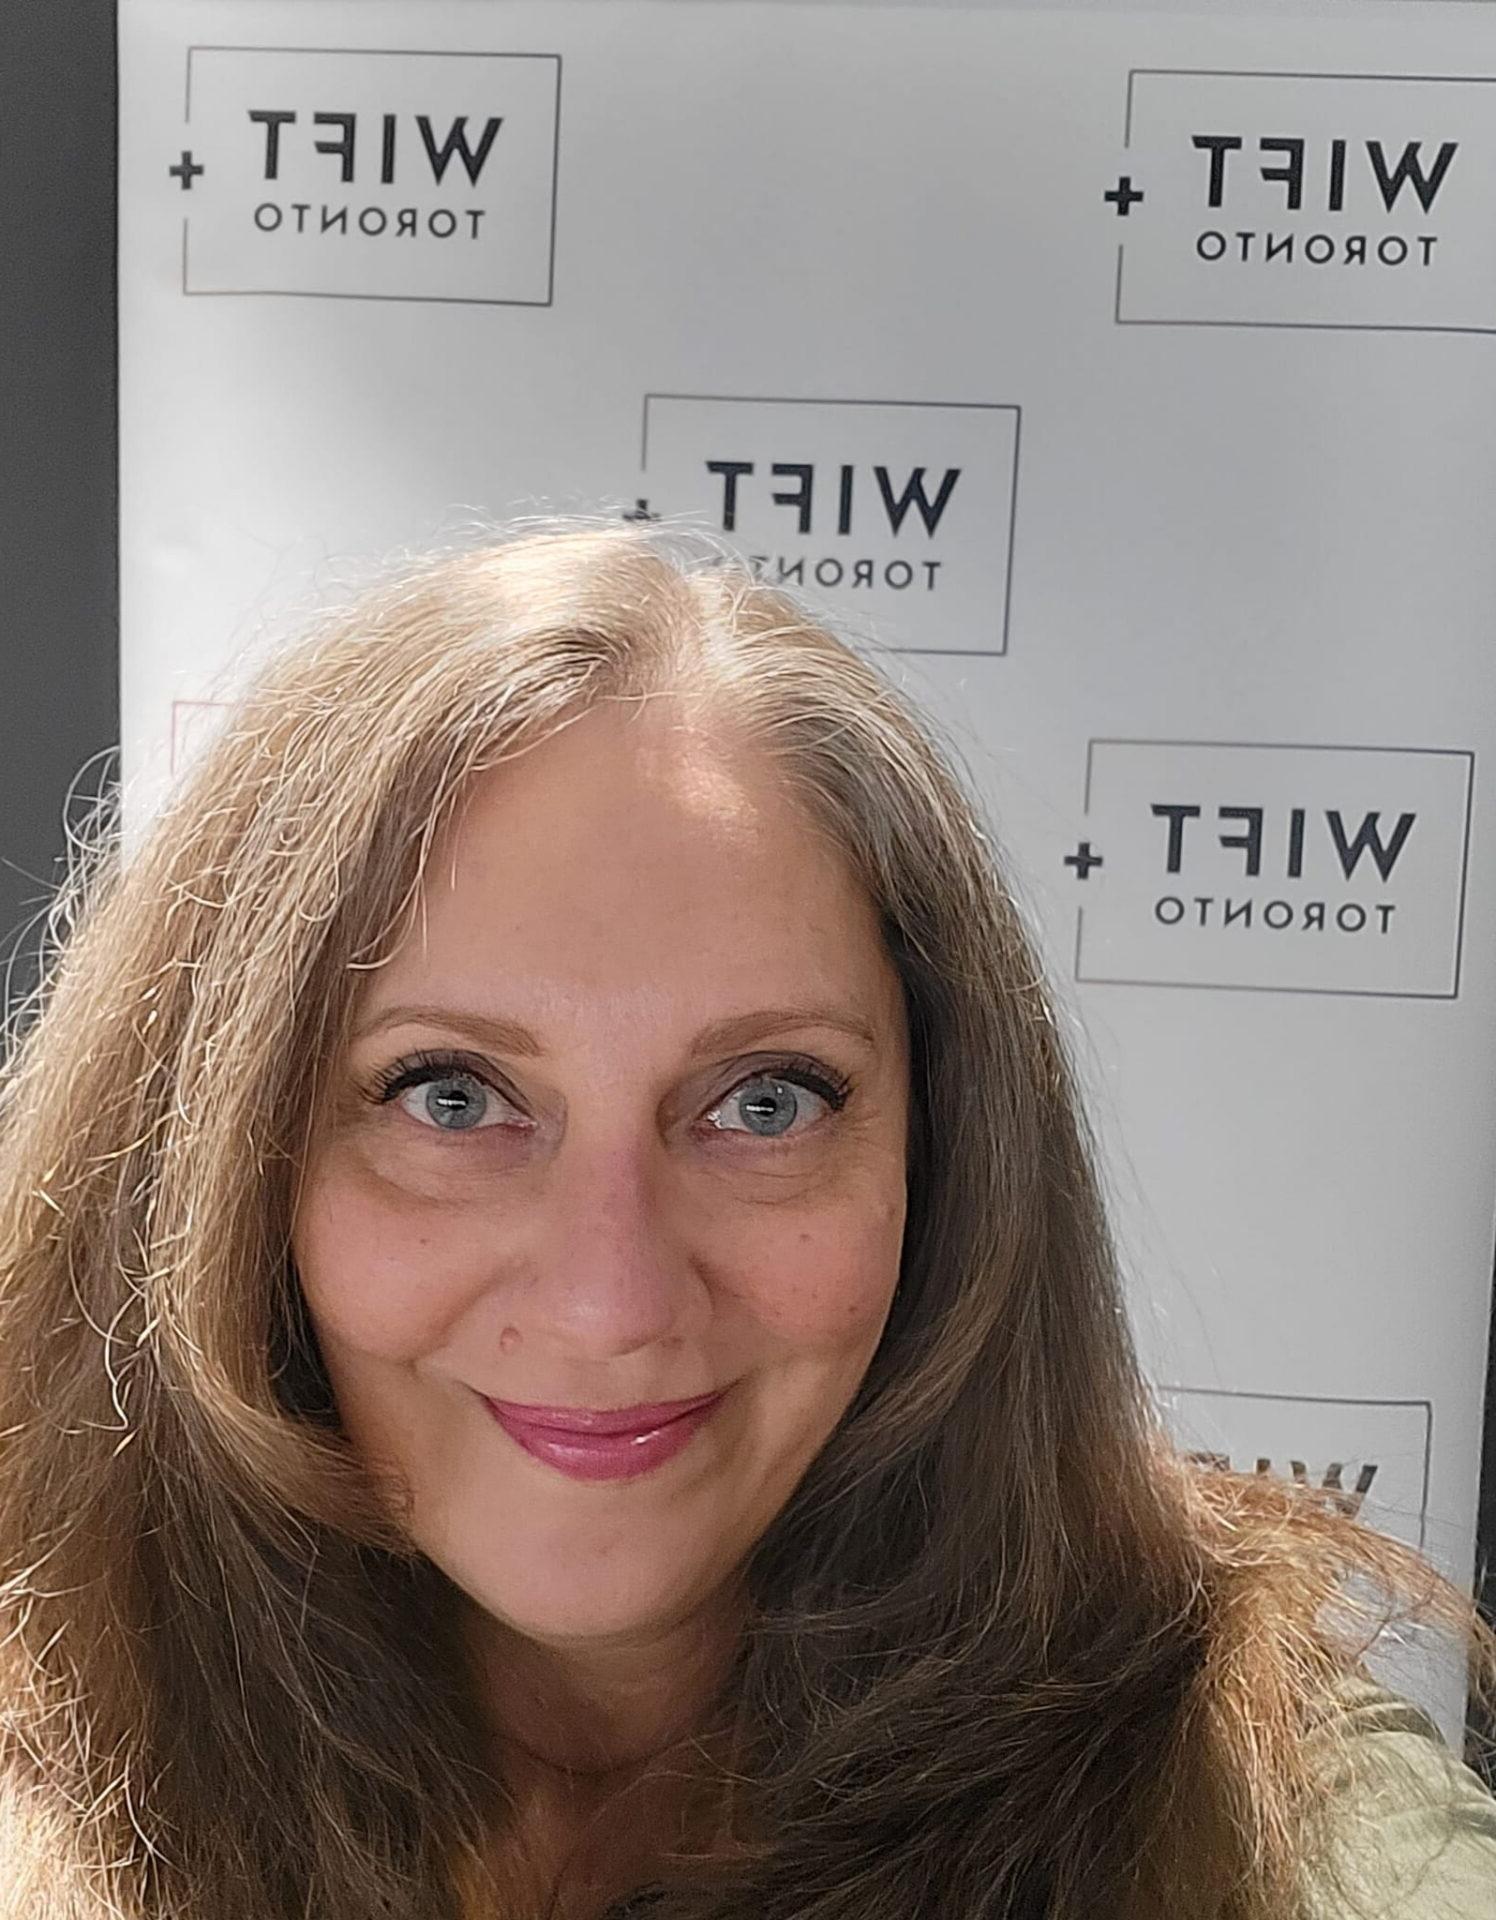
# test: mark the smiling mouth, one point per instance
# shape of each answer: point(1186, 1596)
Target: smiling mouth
point(644, 1417)
point(611, 1451)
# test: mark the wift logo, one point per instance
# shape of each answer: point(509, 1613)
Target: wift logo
point(900, 511)
point(360, 174)
point(1307, 200)
point(1304, 869)
point(1368, 1458)
point(1331, 1485)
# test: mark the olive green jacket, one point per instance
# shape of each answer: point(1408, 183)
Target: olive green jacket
point(1415, 1828)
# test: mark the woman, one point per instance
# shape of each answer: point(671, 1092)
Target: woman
point(573, 985)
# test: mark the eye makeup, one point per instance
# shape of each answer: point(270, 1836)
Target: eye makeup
point(429, 1065)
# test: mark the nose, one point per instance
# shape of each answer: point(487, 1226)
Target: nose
point(610, 1269)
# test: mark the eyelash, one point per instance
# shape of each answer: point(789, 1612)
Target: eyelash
point(420, 1068)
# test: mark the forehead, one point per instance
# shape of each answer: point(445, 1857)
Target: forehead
point(643, 868)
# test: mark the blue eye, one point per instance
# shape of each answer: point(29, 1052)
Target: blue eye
point(770, 1100)
point(456, 1102)
point(457, 1098)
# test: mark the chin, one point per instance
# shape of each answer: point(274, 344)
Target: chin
point(552, 1612)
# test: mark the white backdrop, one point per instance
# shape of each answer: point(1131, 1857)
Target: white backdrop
point(1129, 374)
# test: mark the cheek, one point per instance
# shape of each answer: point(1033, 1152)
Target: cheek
point(376, 1271)
point(826, 1286)
point(387, 1274)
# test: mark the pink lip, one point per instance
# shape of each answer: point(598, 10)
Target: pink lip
point(637, 1419)
point(589, 1443)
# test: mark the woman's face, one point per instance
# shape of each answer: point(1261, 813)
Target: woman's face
point(628, 1202)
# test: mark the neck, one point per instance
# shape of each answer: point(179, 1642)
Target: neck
point(576, 1726)
point(602, 1709)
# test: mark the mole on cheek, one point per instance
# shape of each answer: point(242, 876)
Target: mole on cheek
point(508, 1339)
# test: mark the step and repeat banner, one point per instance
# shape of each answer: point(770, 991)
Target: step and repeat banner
point(1126, 379)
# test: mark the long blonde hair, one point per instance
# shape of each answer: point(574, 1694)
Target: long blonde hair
point(1009, 1654)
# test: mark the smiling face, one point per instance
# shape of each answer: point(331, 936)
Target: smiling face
point(547, 1172)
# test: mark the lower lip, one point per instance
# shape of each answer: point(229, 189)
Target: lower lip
point(606, 1456)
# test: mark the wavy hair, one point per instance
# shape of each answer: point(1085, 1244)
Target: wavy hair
point(1008, 1653)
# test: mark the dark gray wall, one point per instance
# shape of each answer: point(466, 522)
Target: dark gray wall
point(59, 700)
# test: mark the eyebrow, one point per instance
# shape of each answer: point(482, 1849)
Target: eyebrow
point(508, 1036)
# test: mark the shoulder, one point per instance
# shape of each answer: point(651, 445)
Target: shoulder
point(1411, 1829)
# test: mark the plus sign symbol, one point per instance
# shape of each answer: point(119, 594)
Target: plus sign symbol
point(639, 511)
point(1124, 196)
point(1083, 859)
point(186, 170)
